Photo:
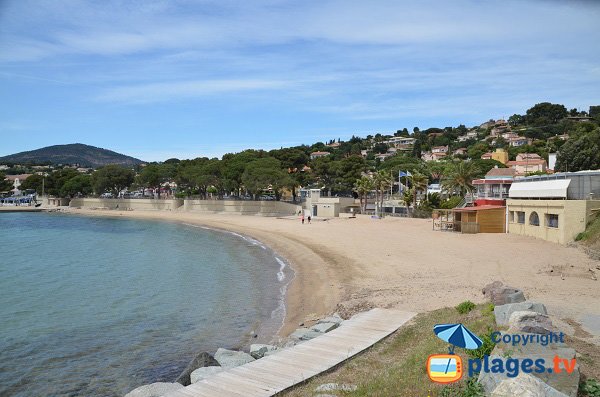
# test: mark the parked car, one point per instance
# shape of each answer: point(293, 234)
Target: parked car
point(106, 195)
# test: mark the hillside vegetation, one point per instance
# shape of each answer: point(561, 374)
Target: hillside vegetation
point(76, 153)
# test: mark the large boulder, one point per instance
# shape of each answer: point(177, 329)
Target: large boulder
point(258, 350)
point(564, 382)
point(500, 294)
point(231, 358)
point(204, 372)
point(525, 385)
point(334, 318)
point(503, 312)
point(530, 322)
point(304, 334)
point(324, 327)
point(157, 389)
point(201, 360)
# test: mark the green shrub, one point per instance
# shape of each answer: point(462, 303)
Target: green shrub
point(590, 388)
point(470, 388)
point(451, 202)
point(485, 349)
point(465, 307)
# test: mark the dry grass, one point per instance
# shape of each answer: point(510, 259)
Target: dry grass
point(396, 366)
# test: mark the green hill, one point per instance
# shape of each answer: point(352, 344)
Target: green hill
point(76, 153)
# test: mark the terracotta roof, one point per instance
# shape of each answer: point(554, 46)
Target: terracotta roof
point(501, 172)
point(20, 177)
point(527, 162)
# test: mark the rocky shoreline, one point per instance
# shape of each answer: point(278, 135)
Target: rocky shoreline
point(206, 364)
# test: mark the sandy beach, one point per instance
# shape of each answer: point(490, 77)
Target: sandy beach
point(350, 265)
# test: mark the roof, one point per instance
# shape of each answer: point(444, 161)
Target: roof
point(479, 208)
point(510, 172)
point(527, 162)
point(20, 177)
point(556, 188)
point(495, 181)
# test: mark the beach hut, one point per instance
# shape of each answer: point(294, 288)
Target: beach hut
point(480, 219)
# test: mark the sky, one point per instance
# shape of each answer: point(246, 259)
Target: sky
point(186, 79)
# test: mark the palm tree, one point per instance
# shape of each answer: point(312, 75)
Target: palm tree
point(419, 183)
point(363, 187)
point(407, 198)
point(382, 182)
point(459, 177)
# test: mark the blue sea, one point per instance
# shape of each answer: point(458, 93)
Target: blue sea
point(93, 306)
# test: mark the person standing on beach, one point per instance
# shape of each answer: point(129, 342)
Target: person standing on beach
point(302, 218)
point(309, 219)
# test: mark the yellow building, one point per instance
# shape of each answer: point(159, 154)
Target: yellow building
point(500, 155)
point(553, 209)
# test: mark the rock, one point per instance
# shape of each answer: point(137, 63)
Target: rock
point(335, 387)
point(324, 327)
point(500, 294)
point(525, 385)
point(564, 382)
point(232, 358)
point(204, 372)
point(335, 318)
point(157, 389)
point(257, 350)
point(530, 322)
point(491, 286)
point(304, 334)
point(201, 360)
point(271, 352)
point(503, 312)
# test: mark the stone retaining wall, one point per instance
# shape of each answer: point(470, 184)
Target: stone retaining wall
point(261, 208)
point(127, 204)
point(242, 207)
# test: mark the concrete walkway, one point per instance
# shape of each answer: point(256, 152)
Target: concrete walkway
point(278, 372)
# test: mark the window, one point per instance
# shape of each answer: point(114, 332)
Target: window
point(521, 217)
point(511, 216)
point(534, 219)
point(551, 220)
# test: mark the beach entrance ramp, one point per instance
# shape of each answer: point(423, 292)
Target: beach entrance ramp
point(278, 372)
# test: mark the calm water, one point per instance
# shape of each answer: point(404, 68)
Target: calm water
point(97, 306)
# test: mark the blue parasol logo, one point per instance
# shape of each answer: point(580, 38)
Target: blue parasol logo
point(458, 336)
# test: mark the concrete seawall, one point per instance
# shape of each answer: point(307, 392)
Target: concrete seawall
point(261, 208)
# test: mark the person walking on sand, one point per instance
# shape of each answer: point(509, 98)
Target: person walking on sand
point(302, 218)
point(309, 219)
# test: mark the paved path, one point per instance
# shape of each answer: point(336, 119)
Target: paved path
point(275, 373)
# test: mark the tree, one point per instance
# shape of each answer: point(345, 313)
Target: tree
point(154, 175)
point(581, 152)
point(57, 179)
point(5, 184)
point(35, 182)
point(546, 113)
point(381, 181)
point(419, 183)
point(78, 185)
point(516, 120)
point(347, 171)
point(363, 187)
point(459, 177)
point(112, 178)
point(263, 173)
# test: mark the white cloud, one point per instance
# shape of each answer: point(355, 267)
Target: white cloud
point(160, 92)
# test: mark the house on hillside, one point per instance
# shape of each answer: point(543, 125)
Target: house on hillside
point(430, 156)
point(316, 155)
point(499, 155)
point(17, 181)
point(519, 141)
point(526, 163)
